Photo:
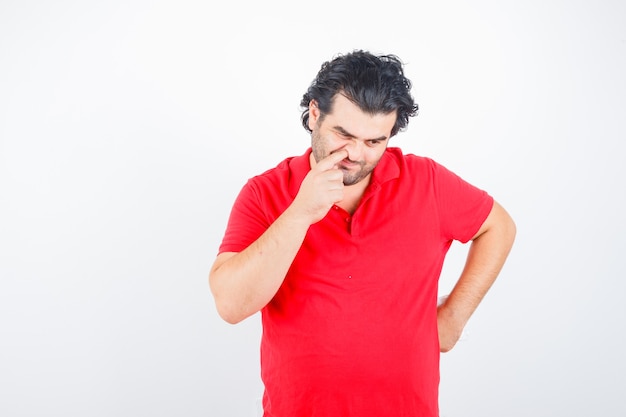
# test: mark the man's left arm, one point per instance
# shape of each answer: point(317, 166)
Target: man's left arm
point(488, 251)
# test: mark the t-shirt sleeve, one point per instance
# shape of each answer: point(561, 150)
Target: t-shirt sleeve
point(463, 207)
point(246, 222)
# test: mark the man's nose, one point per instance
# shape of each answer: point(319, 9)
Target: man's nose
point(355, 150)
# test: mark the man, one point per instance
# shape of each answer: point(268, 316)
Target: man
point(341, 250)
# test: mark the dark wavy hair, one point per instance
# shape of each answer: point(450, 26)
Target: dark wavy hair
point(374, 83)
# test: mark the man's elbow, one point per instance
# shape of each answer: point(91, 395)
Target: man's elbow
point(228, 312)
point(224, 307)
point(229, 317)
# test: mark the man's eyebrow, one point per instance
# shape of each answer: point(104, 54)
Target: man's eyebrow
point(344, 132)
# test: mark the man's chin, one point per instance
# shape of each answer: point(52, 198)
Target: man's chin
point(351, 179)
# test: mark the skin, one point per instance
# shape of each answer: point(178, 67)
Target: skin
point(363, 136)
point(347, 145)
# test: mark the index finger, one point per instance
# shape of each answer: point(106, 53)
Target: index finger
point(331, 160)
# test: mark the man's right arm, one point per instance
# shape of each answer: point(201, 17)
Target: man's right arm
point(243, 282)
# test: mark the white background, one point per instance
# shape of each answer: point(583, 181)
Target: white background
point(127, 128)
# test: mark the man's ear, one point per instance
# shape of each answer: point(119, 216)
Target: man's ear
point(314, 114)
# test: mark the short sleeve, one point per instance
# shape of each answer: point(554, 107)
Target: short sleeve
point(246, 222)
point(462, 206)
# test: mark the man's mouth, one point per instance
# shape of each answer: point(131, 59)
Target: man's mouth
point(347, 164)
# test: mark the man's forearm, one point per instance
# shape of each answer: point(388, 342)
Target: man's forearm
point(486, 257)
point(243, 283)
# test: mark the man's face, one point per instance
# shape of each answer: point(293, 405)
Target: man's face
point(362, 135)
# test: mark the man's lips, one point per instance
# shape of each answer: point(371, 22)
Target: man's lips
point(347, 164)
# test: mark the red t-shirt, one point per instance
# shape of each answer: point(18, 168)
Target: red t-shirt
point(352, 331)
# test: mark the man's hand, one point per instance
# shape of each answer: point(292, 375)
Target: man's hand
point(321, 188)
point(450, 330)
